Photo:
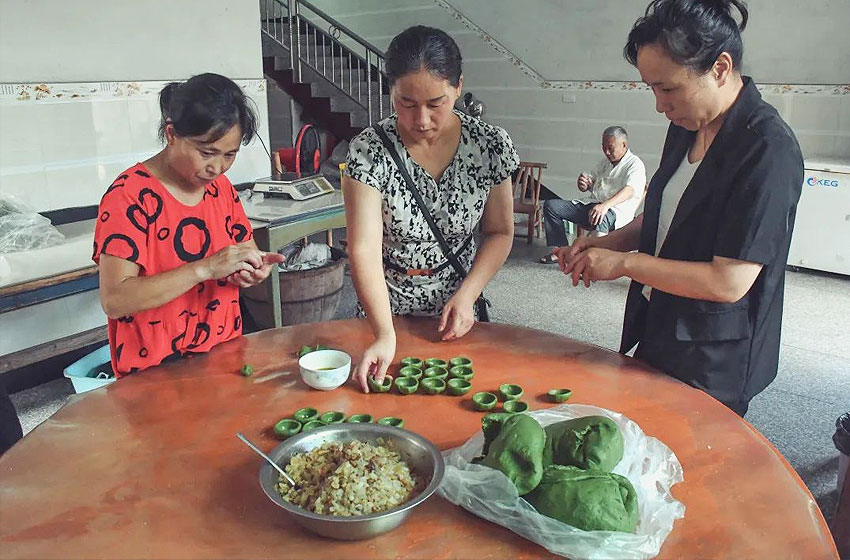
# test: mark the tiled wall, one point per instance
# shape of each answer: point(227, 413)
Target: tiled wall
point(63, 144)
point(561, 122)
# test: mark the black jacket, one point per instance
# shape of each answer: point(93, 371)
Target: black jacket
point(740, 204)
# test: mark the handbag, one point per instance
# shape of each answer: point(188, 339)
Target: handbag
point(482, 303)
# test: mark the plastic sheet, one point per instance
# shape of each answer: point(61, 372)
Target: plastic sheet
point(22, 229)
point(650, 466)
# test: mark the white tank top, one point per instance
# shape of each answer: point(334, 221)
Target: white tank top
point(669, 202)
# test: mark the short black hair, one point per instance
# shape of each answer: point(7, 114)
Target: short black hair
point(424, 47)
point(206, 104)
point(692, 32)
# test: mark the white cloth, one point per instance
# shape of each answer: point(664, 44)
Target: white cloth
point(670, 198)
point(610, 179)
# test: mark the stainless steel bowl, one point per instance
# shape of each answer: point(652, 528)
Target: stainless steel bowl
point(422, 455)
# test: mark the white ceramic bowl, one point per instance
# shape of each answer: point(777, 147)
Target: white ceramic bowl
point(325, 369)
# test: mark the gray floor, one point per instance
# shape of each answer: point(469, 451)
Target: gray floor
point(796, 413)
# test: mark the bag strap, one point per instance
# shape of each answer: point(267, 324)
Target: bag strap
point(417, 196)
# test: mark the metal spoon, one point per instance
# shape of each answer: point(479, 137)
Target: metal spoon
point(266, 457)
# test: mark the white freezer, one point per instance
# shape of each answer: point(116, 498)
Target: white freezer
point(821, 239)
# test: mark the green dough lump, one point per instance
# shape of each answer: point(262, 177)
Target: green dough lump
point(517, 451)
point(591, 500)
point(590, 442)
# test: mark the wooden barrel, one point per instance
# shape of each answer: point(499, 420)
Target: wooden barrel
point(306, 296)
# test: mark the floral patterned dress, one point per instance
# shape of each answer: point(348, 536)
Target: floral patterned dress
point(485, 157)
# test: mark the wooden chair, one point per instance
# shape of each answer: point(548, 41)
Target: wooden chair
point(526, 194)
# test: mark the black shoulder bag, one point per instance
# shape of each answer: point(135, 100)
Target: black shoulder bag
point(482, 303)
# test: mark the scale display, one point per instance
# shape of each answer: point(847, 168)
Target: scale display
point(289, 185)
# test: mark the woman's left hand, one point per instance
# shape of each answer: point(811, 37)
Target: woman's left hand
point(246, 279)
point(595, 264)
point(457, 318)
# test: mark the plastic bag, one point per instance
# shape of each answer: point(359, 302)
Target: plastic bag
point(21, 228)
point(650, 466)
point(312, 255)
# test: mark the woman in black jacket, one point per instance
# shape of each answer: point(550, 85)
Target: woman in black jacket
point(705, 304)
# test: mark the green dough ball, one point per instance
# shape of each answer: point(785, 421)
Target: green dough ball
point(247, 370)
point(590, 442)
point(586, 499)
point(517, 451)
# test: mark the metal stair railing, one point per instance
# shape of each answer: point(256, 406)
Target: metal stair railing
point(296, 25)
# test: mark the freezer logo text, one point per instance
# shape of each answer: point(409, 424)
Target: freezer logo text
point(814, 181)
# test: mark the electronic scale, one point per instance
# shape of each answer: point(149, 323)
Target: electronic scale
point(294, 186)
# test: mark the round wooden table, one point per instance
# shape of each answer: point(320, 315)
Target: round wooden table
point(149, 466)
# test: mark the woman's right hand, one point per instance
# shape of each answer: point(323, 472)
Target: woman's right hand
point(232, 258)
point(565, 254)
point(375, 361)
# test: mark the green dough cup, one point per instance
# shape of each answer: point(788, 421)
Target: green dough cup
point(461, 361)
point(332, 417)
point(304, 415)
point(411, 361)
point(559, 395)
point(410, 371)
point(484, 401)
point(312, 425)
point(431, 362)
point(382, 388)
point(458, 387)
point(510, 392)
point(406, 385)
point(392, 421)
point(360, 419)
point(433, 385)
point(287, 427)
point(514, 406)
point(462, 372)
point(436, 372)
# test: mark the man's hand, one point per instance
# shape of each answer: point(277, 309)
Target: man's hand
point(597, 212)
point(584, 182)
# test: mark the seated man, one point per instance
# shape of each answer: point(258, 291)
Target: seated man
point(616, 188)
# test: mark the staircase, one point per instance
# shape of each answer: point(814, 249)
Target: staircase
point(335, 75)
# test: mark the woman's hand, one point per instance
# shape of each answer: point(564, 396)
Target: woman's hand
point(595, 264)
point(375, 361)
point(248, 278)
point(564, 254)
point(457, 318)
point(231, 259)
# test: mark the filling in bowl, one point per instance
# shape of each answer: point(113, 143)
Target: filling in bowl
point(352, 478)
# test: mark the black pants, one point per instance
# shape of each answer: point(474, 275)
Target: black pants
point(10, 426)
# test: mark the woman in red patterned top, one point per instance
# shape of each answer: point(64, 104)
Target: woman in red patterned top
point(172, 243)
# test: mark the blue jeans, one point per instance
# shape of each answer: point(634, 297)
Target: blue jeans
point(555, 211)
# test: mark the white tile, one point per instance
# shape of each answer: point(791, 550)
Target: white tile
point(111, 122)
point(72, 185)
point(19, 142)
point(815, 112)
point(144, 118)
point(66, 131)
point(28, 187)
point(815, 145)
